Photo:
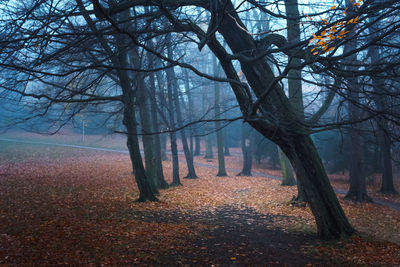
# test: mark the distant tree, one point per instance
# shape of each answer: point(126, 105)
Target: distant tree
point(247, 145)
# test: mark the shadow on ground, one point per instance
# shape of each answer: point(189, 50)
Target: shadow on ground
point(237, 237)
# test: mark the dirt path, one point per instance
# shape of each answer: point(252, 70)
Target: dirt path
point(338, 191)
point(238, 237)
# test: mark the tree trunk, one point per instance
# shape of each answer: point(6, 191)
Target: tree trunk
point(209, 153)
point(174, 148)
point(294, 75)
point(225, 130)
point(329, 216)
point(148, 142)
point(188, 156)
point(190, 109)
point(226, 143)
point(163, 140)
point(163, 137)
point(357, 190)
point(217, 110)
point(162, 184)
point(197, 145)
point(380, 100)
point(247, 153)
point(145, 188)
point(287, 171)
point(173, 82)
point(387, 186)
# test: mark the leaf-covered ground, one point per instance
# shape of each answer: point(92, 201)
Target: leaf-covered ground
point(71, 206)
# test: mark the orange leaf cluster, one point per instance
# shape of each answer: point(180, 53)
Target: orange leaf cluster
point(325, 41)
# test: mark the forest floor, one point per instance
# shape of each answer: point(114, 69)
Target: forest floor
point(61, 205)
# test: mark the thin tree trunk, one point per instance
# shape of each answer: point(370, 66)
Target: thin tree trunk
point(357, 190)
point(163, 106)
point(225, 130)
point(226, 143)
point(174, 148)
point(209, 153)
point(294, 75)
point(197, 144)
point(380, 100)
point(188, 155)
point(148, 142)
point(387, 186)
point(217, 110)
point(246, 151)
point(190, 109)
point(162, 184)
point(145, 188)
point(172, 81)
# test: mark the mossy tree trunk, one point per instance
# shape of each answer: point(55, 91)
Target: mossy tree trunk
point(287, 171)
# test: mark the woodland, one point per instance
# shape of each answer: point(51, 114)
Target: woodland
point(199, 132)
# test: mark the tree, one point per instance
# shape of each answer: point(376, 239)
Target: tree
point(120, 62)
point(294, 88)
point(171, 111)
point(380, 99)
point(217, 111)
point(247, 144)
